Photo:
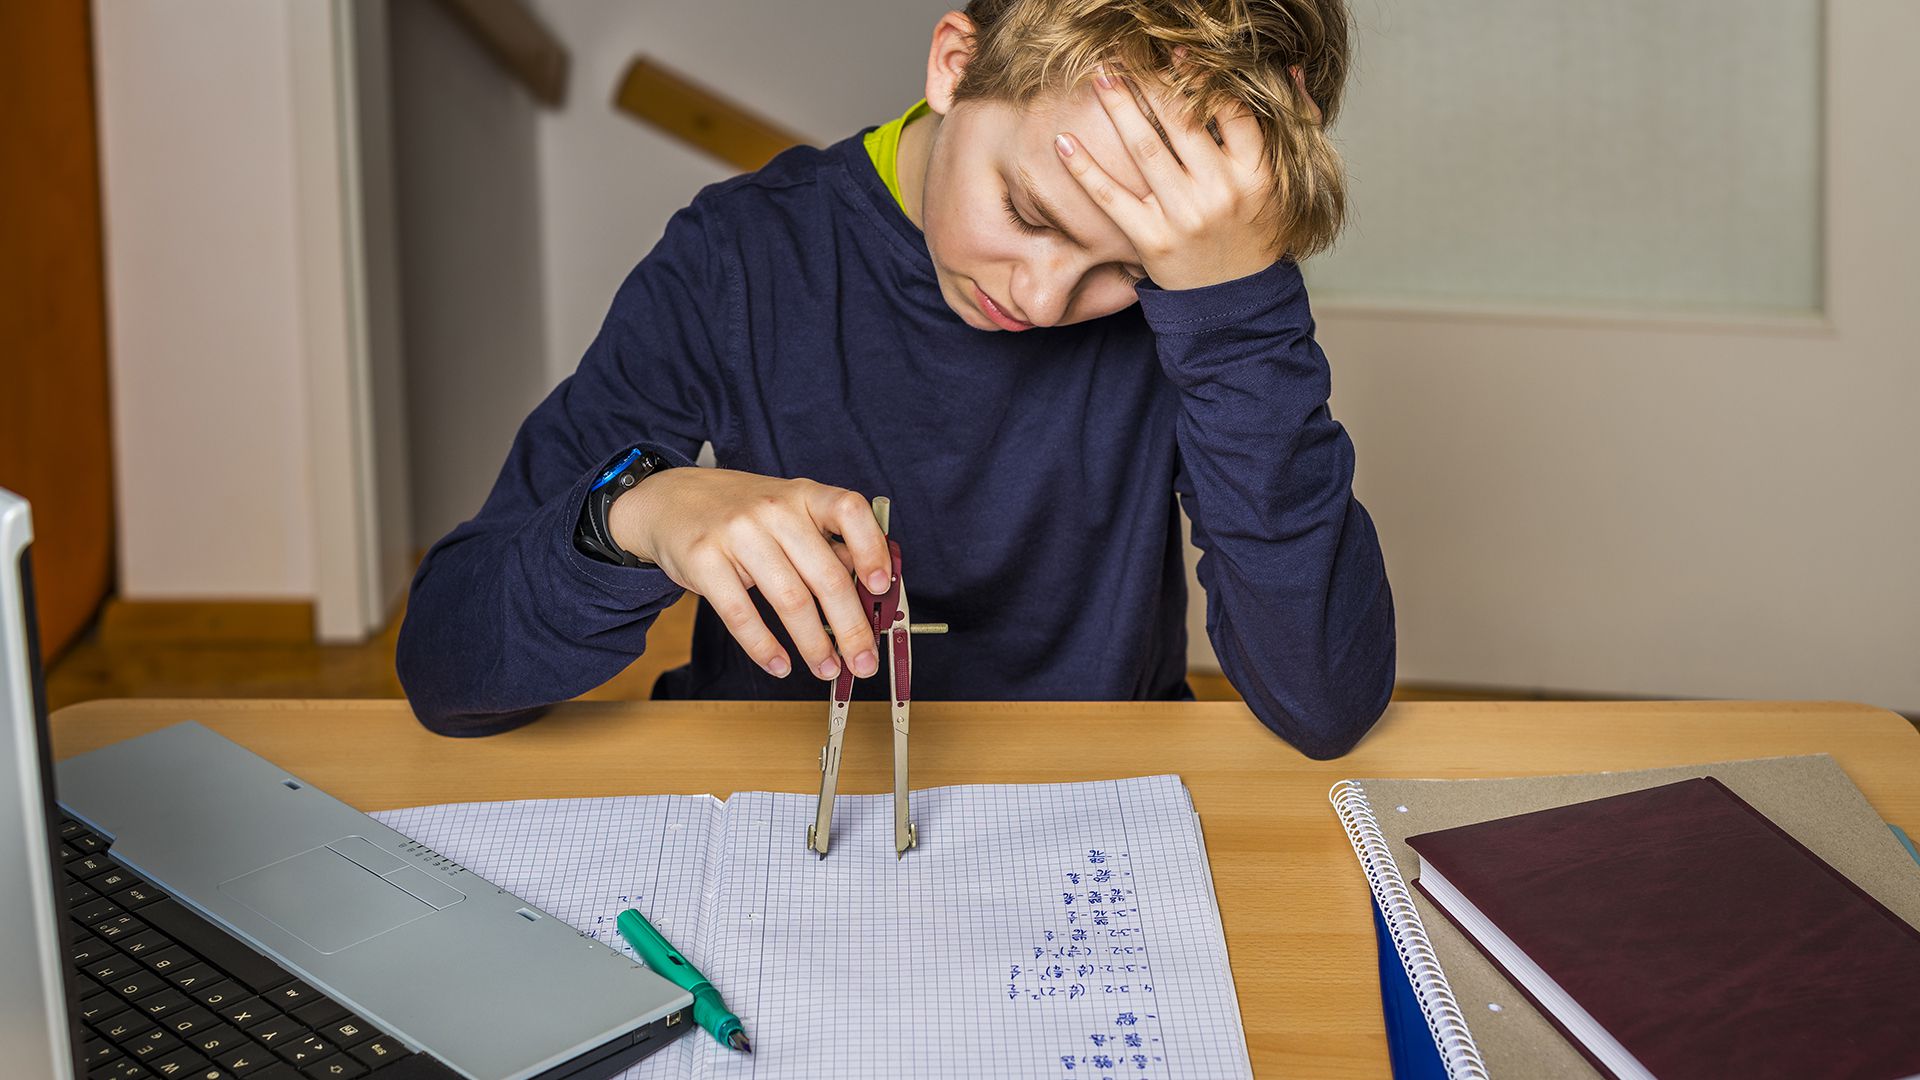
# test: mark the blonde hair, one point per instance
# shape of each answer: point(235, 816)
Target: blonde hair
point(1236, 55)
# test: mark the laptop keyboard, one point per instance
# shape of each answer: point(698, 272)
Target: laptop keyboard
point(165, 993)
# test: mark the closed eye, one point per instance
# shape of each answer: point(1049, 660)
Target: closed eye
point(1125, 271)
point(1019, 222)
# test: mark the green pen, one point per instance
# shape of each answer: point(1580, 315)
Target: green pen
point(660, 955)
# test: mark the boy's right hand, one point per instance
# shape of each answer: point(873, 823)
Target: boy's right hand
point(719, 532)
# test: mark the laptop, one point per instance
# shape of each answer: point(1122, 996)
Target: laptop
point(186, 909)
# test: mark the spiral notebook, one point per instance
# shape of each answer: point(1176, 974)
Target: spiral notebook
point(1480, 1023)
point(1045, 931)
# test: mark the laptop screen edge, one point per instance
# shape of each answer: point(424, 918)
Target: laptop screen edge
point(31, 749)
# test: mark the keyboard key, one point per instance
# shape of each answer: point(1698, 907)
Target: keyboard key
point(170, 959)
point(185, 1022)
point(164, 1003)
point(190, 979)
point(378, 1051)
point(136, 985)
point(277, 1032)
point(79, 892)
point(216, 1037)
point(87, 949)
point(114, 880)
point(349, 1031)
point(96, 909)
point(142, 943)
point(308, 1050)
point(98, 1051)
point(224, 992)
point(86, 843)
point(123, 1068)
point(151, 1045)
point(123, 1026)
point(244, 1060)
point(70, 828)
point(220, 948)
point(118, 927)
point(291, 996)
point(180, 1063)
point(247, 1013)
point(111, 967)
point(138, 896)
point(318, 1013)
point(99, 1007)
point(67, 853)
point(337, 1067)
point(90, 866)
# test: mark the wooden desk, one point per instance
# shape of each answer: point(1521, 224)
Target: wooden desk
point(1291, 894)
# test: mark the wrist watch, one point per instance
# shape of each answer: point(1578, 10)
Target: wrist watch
point(593, 536)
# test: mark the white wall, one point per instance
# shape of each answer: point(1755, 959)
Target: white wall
point(203, 299)
point(1665, 506)
point(608, 184)
point(254, 341)
point(470, 222)
point(1637, 154)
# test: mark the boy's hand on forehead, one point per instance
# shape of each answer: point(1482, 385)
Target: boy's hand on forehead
point(1196, 224)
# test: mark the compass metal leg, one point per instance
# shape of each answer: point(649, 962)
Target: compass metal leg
point(900, 666)
point(904, 834)
point(820, 833)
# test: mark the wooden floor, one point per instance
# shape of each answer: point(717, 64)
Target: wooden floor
point(261, 656)
point(111, 661)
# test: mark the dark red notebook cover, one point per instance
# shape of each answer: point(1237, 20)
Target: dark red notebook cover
point(1700, 935)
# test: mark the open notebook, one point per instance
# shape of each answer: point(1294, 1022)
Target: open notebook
point(1062, 931)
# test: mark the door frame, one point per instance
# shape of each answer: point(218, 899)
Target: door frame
point(342, 152)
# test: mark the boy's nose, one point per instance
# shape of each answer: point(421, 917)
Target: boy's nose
point(1043, 294)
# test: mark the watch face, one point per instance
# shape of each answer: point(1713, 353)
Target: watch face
point(632, 456)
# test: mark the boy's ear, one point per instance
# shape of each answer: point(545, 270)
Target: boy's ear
point(947, 59)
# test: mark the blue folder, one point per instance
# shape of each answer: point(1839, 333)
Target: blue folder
point(1410, 1047)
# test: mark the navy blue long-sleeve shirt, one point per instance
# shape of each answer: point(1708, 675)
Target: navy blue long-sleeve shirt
point(792, 318)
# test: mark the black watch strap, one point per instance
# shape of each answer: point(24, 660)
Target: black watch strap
point(593, 536)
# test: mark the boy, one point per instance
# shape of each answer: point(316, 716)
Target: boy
point(1054, 293)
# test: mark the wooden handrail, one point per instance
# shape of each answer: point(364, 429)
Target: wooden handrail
point(665, 99)
point(516, 37)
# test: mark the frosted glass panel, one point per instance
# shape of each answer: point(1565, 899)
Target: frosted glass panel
point(1647, 154)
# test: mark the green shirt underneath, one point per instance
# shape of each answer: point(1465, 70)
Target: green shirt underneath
point(883, 146)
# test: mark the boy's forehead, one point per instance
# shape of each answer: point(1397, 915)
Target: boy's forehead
point(1078, 113)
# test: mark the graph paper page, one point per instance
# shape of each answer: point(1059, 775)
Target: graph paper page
point(583, 861)
point(1052, 932)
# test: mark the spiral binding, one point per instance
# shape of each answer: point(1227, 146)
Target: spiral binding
point(1444, 1020)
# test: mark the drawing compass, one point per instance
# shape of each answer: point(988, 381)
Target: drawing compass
point(893, 630)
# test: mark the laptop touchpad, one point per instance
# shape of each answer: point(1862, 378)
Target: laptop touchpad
point(326, 900)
